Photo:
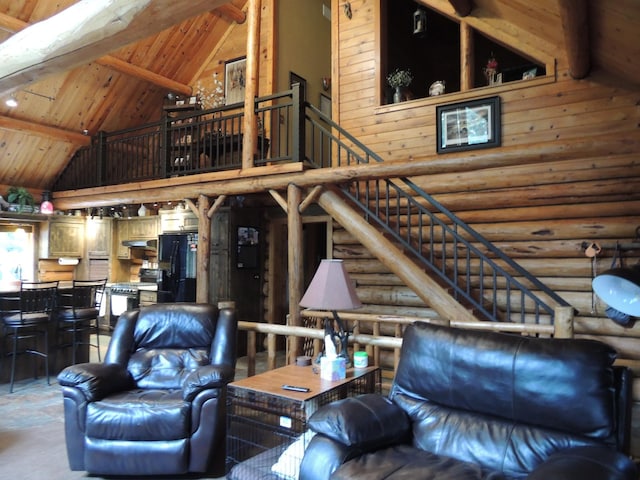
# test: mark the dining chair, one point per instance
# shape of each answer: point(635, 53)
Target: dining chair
point(25, 320)
point(77, 316)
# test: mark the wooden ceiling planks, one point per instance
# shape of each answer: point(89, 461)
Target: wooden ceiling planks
point(94, 96)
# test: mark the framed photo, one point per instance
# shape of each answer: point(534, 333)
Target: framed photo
point(468, 125)
point(235, 80)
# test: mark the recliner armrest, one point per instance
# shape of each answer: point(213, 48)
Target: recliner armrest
point(208, 376)
point(367, 421)
point(96, 380)
point(586, 462)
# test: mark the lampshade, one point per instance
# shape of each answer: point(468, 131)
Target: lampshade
point(620, 288)
point(331, 288)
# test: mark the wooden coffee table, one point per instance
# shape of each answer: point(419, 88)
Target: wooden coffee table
point(261, 415)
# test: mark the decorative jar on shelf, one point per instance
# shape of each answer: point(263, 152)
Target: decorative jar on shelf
point(399, 80)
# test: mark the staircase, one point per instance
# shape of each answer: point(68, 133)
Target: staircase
point(451, 267)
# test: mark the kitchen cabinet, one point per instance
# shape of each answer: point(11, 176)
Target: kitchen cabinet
point(98, 237)
point(172, 221)
point(62, 236)
point(122, 252)
point(143, 228)
point(137, 228)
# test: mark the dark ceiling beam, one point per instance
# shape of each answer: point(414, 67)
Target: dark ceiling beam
point(85, 31)
point(575, 25)
point(462, 7)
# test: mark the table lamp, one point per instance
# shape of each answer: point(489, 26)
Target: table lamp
point(331, 289)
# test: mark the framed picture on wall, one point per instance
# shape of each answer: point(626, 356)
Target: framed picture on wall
point(468, 125)
point(235, 80)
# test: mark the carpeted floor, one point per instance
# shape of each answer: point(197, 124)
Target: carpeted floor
point(32, 444)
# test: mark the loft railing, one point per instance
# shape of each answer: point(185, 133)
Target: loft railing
point(186, 143)
point(478, 274)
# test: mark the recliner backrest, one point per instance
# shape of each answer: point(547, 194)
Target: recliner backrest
point(160, 345)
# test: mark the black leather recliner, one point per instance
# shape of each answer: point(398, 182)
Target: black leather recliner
point(482, 405)
point(156, 406)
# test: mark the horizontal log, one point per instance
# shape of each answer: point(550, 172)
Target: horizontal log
point(375, 279)
point(602, 325)
point(389, 295)
point(496, 209)
point(580, 169)
point(584, 228)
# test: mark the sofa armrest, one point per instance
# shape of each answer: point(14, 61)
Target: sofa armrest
point(323, 456)
point(367, 422)
point(586, 462)
point(96, 380)
point(208, 376)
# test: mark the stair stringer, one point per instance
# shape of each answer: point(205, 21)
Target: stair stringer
point(429, 291)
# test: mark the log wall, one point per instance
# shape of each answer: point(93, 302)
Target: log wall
point(541, 213)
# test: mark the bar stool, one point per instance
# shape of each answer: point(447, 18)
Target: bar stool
point(28, 319)
point(77, 316)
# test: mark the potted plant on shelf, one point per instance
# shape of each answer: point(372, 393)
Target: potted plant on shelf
point(399, 80)
point(21, 198)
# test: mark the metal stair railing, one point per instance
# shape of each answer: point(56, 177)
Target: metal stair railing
point(478, 274)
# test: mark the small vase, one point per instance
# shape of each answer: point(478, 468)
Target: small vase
point(142, 211)
point(398, 95)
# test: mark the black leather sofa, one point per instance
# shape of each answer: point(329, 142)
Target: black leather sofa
point(482, 405)
point(156, 406)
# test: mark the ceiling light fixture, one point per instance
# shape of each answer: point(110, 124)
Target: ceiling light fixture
point(11, 102)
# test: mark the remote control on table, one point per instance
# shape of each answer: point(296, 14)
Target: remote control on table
point(293, 388)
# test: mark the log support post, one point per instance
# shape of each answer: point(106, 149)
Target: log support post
point(250, 138)
point(296, 274)
point(466, 57)
point(563, 322)
point(575, 26)
point(204, 214)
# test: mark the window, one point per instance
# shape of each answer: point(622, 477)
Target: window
point(16, 253)
point(435, 54)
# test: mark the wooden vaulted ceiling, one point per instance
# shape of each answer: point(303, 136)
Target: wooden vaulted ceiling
point(125, 85)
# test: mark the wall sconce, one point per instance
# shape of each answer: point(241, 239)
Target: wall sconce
point(419, 22)
point(326, 83)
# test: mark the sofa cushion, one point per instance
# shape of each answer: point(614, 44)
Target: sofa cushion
point(139, 415)
point(402, 462)
point(491, 442)
point(560, 384)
